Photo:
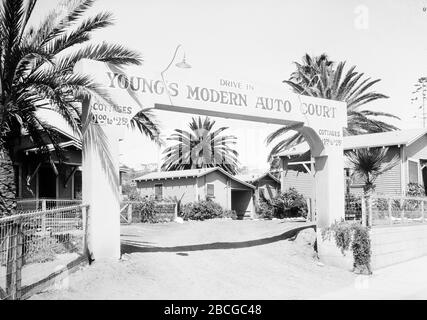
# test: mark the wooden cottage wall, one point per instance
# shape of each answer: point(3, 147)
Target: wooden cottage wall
point(184, 187)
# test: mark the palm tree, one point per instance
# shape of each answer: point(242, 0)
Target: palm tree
point(318, 77)
point(369, 164)
point(36, 72)
point(201, 148)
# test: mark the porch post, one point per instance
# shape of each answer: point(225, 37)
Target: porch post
point(101, 192)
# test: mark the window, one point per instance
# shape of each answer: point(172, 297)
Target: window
point(158, 191)
point(413, 171)
point(210, 190)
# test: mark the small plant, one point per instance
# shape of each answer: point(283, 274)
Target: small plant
point(202, 210)
point(230, 214)
point(354, 237)
point(178, 202)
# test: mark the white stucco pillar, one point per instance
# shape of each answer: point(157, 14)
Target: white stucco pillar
point(102, 194)
point(329, 187)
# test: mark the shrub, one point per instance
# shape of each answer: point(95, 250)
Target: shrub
point(40, 250)
point(361, 247)
point(352, 236)
point(287, 204)
point(290, 203)
point(202, 210)
point(265, 210)
point(146, 209)
point(415, 190)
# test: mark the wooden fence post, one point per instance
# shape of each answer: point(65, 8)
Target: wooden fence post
point(44, 216)
point(129, 213)
point(402, 210)
point(390, 215)
point(19, 259)
point(309, 210)
point(14, 261)
point(175, 211)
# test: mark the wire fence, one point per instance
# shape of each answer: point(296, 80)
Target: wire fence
point(147, 211)
point(353, 208)
point(36, 245)
point(394, 210)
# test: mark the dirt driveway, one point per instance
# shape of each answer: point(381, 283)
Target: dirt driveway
point(220, 259)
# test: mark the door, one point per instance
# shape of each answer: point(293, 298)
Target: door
point(241, 202)
point(47, 183)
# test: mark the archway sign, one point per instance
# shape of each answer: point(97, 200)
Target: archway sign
point(321, 122)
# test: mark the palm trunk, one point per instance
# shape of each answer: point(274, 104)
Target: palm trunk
point(7, 184)
point(8, 207)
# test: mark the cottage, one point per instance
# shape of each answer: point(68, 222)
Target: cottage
point(410, 146)
point(267, 185)
point(43, 175)
point(200, 184)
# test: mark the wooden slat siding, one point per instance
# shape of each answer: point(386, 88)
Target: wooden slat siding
point(387, 183)
point(390, 182)
point(171, 188)
point(303, 182)
point(417, 151)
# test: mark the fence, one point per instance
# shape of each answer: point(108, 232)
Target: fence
point(139, 211)
point(353, 207)
point(380, 210)
point(27, 205)
point(36, 246)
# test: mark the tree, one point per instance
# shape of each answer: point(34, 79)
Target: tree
point(318, 77)
point(420, 97)
point(201, 148)
point(36, 72)
point(369, 164)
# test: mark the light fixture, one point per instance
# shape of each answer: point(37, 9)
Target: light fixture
point(183, 64)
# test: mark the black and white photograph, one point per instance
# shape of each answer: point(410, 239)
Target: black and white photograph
point(200, 150)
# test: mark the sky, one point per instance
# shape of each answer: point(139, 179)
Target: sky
point(258, 40)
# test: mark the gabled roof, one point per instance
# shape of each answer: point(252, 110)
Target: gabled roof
point(372, 140)
point(66, 144)
point(178, 174)
point(383, 139)
point(56, 120)
point(251, 178)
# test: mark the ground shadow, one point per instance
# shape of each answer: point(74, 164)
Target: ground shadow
point(135, 246)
